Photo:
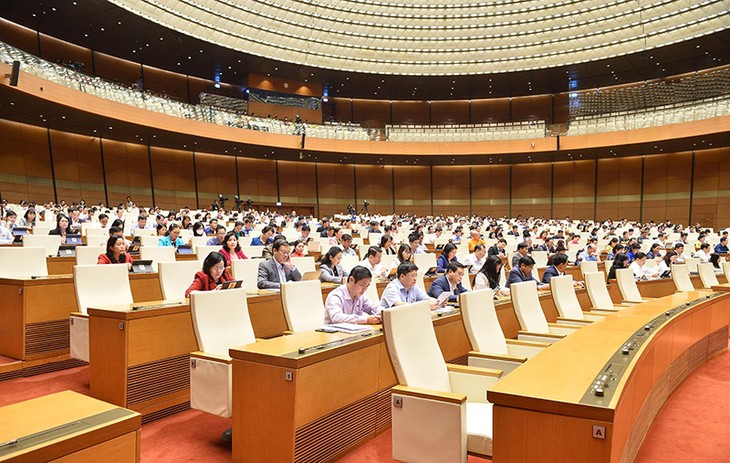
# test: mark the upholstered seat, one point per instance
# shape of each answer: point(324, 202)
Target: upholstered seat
point(588, 266)
point(566, 302)
point(490, 349)
point(439, 411)
point(529, 313)
point(304, 264)
point(707, 275)
point(680, 276)
point(220, 321)
point(27, 262)
point(598, 293)
point(86, 255)
point(303, 305)
point(248, 271)
point(49, 242)
point(157, 254)
point(627, 286)
point(176, 277)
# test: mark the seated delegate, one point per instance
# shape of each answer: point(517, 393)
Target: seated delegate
point(279, 268)
point(523, 272)
point(329, 265)
point(115, 252)
point(348, 303)
point(231, 250)
point(449, 282)
point(403, 290)
point(214, 273)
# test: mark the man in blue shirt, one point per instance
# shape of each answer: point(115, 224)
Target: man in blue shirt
point(266, 237)
point(403, 289)
point(722, 247)
point(449, 282)
point(523, 272)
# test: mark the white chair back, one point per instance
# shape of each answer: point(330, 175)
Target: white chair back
point(692, 263)
point(48, 242)
point(252, 251)
point(588, 266)
point(176, 277)
point(481, 322)
point(221, 320)
point(157, 254)
point(564, 296)
point(425, 261)
point(726, 270)
point(25, 262)
point(349, 262)
point(101, 286)
point(86, 255)
point(96, 241)
point(680, 276)
point(144, 232)
point(707, 275)
point(202, 251)
point(419, 280)
point(303, 305)
point(540, 258)
point(304, 264)
point(92, 231)
point(200, 241)
point(150, 241)
point(627, 285)
point(597, 290)
point(372, 292)
point(413, 348)
point(527, 307)
point(248, 271)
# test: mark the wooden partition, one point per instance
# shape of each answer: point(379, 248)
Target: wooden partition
point(297, 184)
point(116, 69)
point(490, 190)
point(173, 175)
point(336, 188)
point(128, 172)
point(411, 112)
point(574, 189)
point(215, 175)
point(531, 189)
point(667, 186)
point(25, 162)
point(451, 189)
point(375, 184)
point(619, 190)
point(711, 187)
point(77, 167)
point(450, 112)
point(257, 180)
point(413, 189)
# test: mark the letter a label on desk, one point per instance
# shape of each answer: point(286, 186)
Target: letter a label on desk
point(599, 432)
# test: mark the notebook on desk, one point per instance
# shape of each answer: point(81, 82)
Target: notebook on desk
point(142, 266)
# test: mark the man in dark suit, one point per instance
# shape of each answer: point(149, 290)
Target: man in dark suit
point(449, 282)
point(523, 272)
point(279, 269)
point(560, 263)
point(498, 249)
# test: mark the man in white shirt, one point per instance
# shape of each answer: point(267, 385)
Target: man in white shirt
point(346, 245)
point(372, 262)
point(703, 254)
point(348, 303)
point(477, 258)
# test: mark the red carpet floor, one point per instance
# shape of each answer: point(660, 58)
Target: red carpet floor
point(693, 426)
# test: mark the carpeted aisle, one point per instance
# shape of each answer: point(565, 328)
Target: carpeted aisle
point(692, 427)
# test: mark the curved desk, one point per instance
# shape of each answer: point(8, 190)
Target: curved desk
point(593, 395)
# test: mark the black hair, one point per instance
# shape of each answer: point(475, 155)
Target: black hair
point(110, 242)
point(279, 243)
point(212, 259)
point(329, 255)
point(447, 249)
point(490, 270)
point(228, 236)
point(453, 267)
point(405, 268)
point(559, 259)
point(358, 273)
point(526, 260)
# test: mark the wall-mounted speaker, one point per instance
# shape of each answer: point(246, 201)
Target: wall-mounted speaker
point(15, 74)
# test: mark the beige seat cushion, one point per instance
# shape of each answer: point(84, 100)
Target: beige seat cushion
point(479, 428)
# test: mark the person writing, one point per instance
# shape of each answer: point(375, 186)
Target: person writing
point(523, 272)
point(172, 238)
point(372, 262)
point(214, 274)
point(115, 252)
point(403, 289)
point(329, 264)
point(279, 268)
point(348, 303)
point(448, 255)
point(488, 276)
point(449, 282)
point(231, 249)
point(62, 227)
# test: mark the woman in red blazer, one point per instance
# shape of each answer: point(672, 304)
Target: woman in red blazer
point(213, 274)
point(115, 254)
point(231, 249)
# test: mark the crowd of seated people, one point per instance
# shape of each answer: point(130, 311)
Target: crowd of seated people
point(498, 253)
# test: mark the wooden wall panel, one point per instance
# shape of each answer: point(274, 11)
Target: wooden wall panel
point(372, 113)
point(531, 184)
point(619, 188)
point(58, 51)
point(451, 190)
point(336, 188)
point(413, 189)
point(173, 178)
point(667, 179)
point(297, 185)
point(257, 180)
point(170, 83)
point(411, 112)
point(216, 174)
point(77, 166)
point(532, 108)
point(493, 110)
point(490, 190)
point(574, 189)
point(198, 85)
point(375, 183)
point(450, 112)
point(281, 85)
point(116, 69)
point(19, 36)
point(711, 188)
point(343, 109)
point(127, 172)
point(25, 165)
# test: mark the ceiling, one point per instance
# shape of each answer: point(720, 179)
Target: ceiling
point(104, 27)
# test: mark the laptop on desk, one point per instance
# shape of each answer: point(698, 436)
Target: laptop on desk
point(134, 248)
point(432, 271)
point(73, 239)
point(142, 266)
point(233, 284)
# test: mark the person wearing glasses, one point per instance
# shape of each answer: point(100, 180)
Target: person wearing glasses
point(449, 282)
point(213, 275)
point(279, 268)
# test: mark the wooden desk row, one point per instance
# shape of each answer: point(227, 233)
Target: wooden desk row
point(548, 409)
point(65, 265)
